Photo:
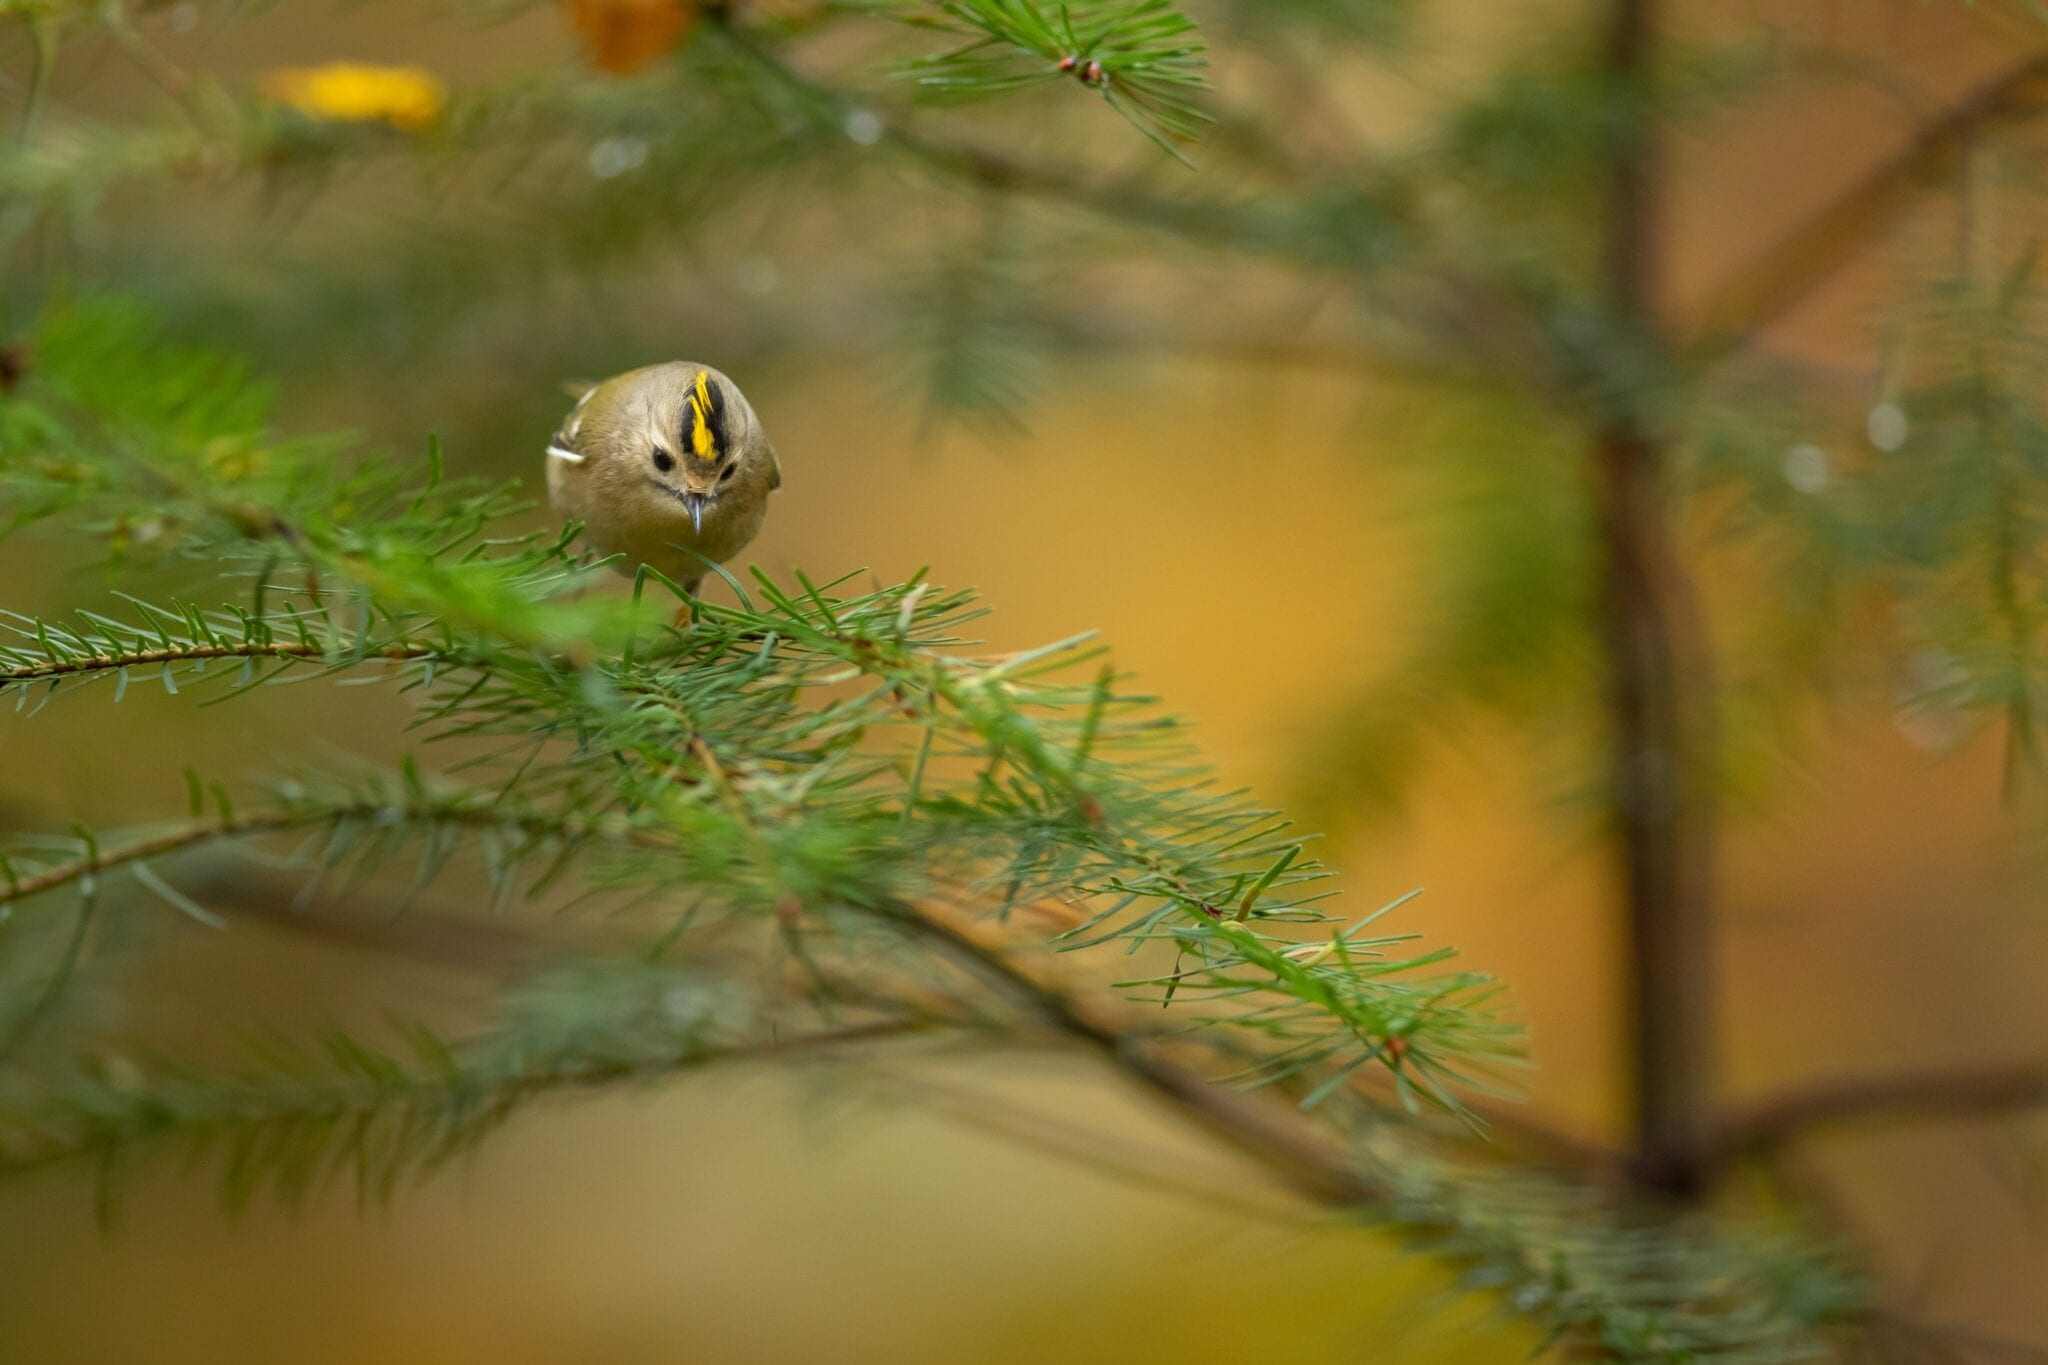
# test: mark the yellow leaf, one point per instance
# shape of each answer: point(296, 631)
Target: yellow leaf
point(404, 97)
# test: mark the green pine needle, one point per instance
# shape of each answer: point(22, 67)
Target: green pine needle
point(1139, 56)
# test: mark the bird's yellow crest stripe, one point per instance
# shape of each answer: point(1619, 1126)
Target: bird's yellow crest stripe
point(701, 439)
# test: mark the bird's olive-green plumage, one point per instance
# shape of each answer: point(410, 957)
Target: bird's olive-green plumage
point(666, 466)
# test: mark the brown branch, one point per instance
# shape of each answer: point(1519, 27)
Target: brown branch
point(1302, 1158)
point(1761, 1127)
point(1790, 269)
point(177, 840)
point(1475, 324)
point(1502, 1128)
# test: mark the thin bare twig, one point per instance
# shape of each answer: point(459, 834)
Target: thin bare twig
point(1790, 269)
point(1097, 1152)
point(1765, 1125)
point(442, 939)
point(225, 828)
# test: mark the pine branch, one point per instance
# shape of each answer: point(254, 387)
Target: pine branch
point(301, 1119)
point(1462, 321)
point(841, 770)
point(1136, 54)
point(86, 868)
point(1620, 1292)
point(715, 132)
point(397, 815)
point(23, 672)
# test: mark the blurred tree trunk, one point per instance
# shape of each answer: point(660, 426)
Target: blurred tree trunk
point(1657, 672)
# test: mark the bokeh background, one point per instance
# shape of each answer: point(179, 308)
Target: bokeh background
point(1882, 906)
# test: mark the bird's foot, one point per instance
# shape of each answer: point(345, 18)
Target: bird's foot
point(686, 614)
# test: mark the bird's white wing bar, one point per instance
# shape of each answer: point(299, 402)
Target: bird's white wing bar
point(563, 453)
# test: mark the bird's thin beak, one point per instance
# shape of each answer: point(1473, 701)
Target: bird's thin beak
point(695, 502)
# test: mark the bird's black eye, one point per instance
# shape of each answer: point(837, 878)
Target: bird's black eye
point(664, 461)
point(728, 471)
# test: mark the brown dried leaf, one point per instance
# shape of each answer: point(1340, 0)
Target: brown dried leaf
point(623, 36)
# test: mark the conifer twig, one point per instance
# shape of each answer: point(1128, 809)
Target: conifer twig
point(364, 1097)
point(40, 669)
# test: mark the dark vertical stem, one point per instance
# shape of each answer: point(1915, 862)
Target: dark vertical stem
point(1656, 672)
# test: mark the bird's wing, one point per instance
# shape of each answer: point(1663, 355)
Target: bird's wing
point(774, 470)
point(562, 446)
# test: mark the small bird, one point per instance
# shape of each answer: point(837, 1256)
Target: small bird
point(667, 466)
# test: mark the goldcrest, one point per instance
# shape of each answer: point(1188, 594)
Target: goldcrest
point(666, 466)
